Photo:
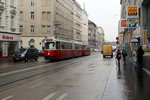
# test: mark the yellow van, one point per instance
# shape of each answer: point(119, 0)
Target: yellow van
point(107, 51)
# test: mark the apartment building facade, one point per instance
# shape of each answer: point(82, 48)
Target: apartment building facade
point(42, 19)
point(102, 37)
point(77, 22)
point(84, 27)
point(92, 31)
point(9, 27)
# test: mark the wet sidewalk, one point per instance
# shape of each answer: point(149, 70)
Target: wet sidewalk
point(127, 83)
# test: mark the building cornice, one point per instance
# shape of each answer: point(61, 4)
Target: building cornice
point(11, 33)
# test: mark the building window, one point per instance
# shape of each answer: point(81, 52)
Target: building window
point(43, 15)
point(21, 28)
point(12, 21)
point(32, 28)
point(48, 15)
point(21, 15)
point(45, 3)
point(32, 2)
point(48, 29)
point(31, 43)
point(43, 29)
point(32, 15)
point(12, 2)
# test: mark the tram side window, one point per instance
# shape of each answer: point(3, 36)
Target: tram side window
point(57, 45)
point(66, 45)
point(62, 45)
point(83, 47)
point(78, 46)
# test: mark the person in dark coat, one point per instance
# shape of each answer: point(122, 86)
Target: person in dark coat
point(124, 54)
point(118, 56)
point(140, 53)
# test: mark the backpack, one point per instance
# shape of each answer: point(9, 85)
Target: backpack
point(124, 53)
point(119, 55)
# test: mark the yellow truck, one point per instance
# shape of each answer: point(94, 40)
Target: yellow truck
point(107, 51)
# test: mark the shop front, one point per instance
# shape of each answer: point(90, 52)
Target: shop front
point(145, 31)
point(8, 44)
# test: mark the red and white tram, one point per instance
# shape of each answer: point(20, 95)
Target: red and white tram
point(59, 49)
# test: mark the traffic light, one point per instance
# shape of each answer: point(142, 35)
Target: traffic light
point(117, 38)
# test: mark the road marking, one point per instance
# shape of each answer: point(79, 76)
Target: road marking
point(37, 85)
point(62, 96)
point(49, 96)
point(147, 71)
point(7, 98)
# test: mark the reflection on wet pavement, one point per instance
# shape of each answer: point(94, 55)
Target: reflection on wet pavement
point(10, 63)
point(127, 83)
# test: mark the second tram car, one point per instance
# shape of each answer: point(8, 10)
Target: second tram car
point(59, 49)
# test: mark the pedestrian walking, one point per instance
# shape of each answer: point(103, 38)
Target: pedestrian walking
point(139, 55)
point(124, 54)
point(118, 56)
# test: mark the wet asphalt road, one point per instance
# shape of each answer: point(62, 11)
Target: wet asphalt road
point(84, 78)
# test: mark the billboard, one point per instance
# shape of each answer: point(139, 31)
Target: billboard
point(123, 23)
point(120, 36)
point(132, 12)
point(132, 22)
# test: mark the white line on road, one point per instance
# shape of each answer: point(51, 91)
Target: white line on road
point(7, 98)
point(62, 96)
point(37, 85)
point(147, 71)
point(49, 96)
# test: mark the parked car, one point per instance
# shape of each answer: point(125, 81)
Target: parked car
point(41, 52)
point(25, 54)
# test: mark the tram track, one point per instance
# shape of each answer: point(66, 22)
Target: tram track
point(17, 77)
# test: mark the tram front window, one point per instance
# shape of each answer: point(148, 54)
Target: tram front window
point(50, 45)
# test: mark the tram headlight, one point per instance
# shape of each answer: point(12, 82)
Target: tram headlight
point(48, 53)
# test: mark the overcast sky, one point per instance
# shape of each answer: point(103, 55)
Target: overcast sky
point(104, 13)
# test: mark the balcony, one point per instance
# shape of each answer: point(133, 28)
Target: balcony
point(13, 29)
point(13, 12)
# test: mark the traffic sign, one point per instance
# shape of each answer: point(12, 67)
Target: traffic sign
point(132, 11)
